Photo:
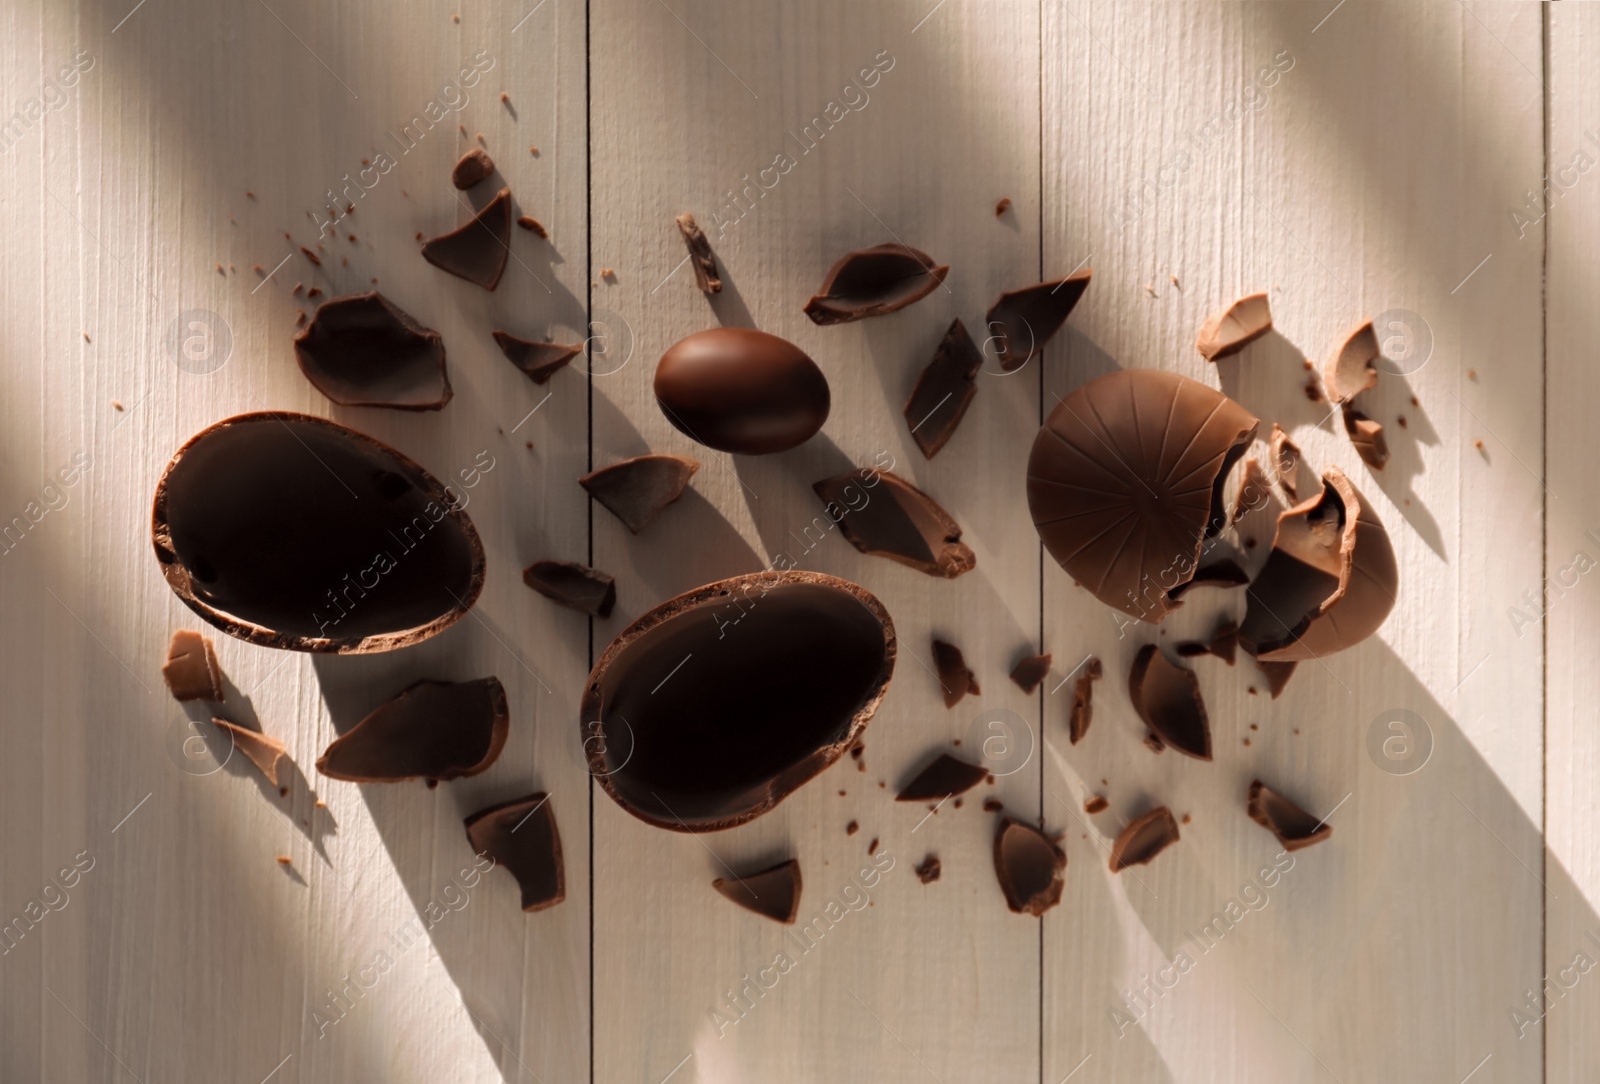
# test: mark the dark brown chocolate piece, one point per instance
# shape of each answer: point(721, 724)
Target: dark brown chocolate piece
point(636, 490)
point(191, 670)
point(1190, 649)
point(1367, 436)
point(928, 871)
point(432, 730)
point(1125, 483)
point(1277, 674)
point(292, 531)
point(1329, 582)
point(1294, 827)
point(713, 707)
point(1095, 803)
point(1167, 697)
point(521, 837)
point(874, 282)
point(1082, 712)
point(474, 167)
point(956, 680)
point(1285, 461)
point(575, 586)
point(1352, 368)
point(1153, 742)
point(741, 390)
point(477, 251)
point(539, 360)
point(1029, 672)
point(362, 350)
point(946, 777)
point(1225, 641)
point(1235, 327)
point(1022, 321)
point(1143, 839)
point(701, 257)
point(773, 893)
point(533, 225)
point(944, 391)
point(993, 805)
point(1029, 865)
point(264, 751)
point(890, 517)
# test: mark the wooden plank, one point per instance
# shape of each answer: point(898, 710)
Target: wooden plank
point(689, 107)
point(1274, 158)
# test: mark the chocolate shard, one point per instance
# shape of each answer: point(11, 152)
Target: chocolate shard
point(539, 360)
point(1235, 327)
point(1351, 368)
point(1285, 461)
point(474, 167)
point(1029, 672)
point(521, 836)
point(1329, 582)
point(944, 391)
point(946, 777)
point(1125, 483)
point(264, 523)
point(264, 751)
point(1255, 490)
point(1222, 573)
point(874, 282)
point(701, 257)
point(636, 490)
point(363, 350)
point(1224, 642)
point(773, 893)
point(955, 678)
point(575, 586)
point(1294, 827)
point(191, 670)
point(1167, 698)
point(1367, 436)
point(929, 870)
point(890, 517)
point(1022, 321)
point(1082, 713)
point(1277, 675)
point(1028, 865)
point(532, 225)
point(1143, 839)
point(432, 730)
point(477, 251)
point(667, 715)
point(741, 390)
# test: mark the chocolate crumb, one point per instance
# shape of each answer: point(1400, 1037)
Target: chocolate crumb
point(432, 783)
point(312, 256)
point(872, 848)
point(1095, 804)
point(1002, 207)
point(852, 828)
point(993, 805)
point(1414, 401)
point(315, 291)
point(528, 222)
point(284, 860)
point(249, 195)
point(929, 870)
point(1313, 392)
point(1186, 818)
point(116, 404)
point(283, 792)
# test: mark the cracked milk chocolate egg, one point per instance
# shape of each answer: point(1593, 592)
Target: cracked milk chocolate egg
point(741, 390)
point(713, 707)
point(1125, 483)
point(292, 531)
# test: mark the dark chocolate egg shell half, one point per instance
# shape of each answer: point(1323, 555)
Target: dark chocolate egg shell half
point(713, 707)
point(1125, 483)
point(295, 532)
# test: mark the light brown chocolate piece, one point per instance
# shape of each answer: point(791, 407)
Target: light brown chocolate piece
point(1029, 672)
point(1294, 827)
point(946, 777)
point(1367, 436)
point(1167, 698)
point(892, 518)
point(701, 257)
point(264, 751)
point(956, 679)
point(1029, 866)
point(474, 167)
point(1285, 461)
point(1082, 712)
point(1235, 327)
point(1143, 839)
point(1351, 368)
point(636, 490)
point(773, 893)
point(521, 837)
point(191, 670)
point(875, 282)
point(1022, 321)
point(540, 361)
point(1095, 803)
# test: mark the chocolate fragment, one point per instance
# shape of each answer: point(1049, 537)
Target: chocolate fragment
point(264, 751)
point(874, 282)
point(1029, 672)
point(1277, 674)
point(928, 871)
point(575, 586)
point(191, 670)
point(1143, 839)
point(1028, 865)
point(521, 836)
point(292, 531)
point(539, 360)
point(701, 257)
point(773, 893)
point(1167, 698)
point(1022, 321)
point(1002, 207)
point(1285, 460)
point(636, 490)
point(1221, 574)
point(533, 225)
point(1367, 436)
point(1153, 742)
point(955, 678)
point(474, 166)
point(944, 391)
point(1096, 803)
point(1255, 490)
point(1329, 582)
point(1351, 369)
point(432, 730)
point(1235, 327)
point(890, 517)
point(993, 805)
point(946, 777)
point(1225, 641)
point(363, 350)
point(477, 251)
point(1294, 827)
point(852, 828)
point(693, 726)
point(1082, 713)
point(741, 390)
point(1125, 483)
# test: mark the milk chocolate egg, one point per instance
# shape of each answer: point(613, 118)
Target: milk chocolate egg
point(741, 390)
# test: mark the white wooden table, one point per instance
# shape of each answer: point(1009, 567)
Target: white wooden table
point(1355, 159)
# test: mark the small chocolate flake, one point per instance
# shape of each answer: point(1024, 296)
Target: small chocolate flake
point(284, 860)
point(1028, 865)
point(312, 256)
point(1002, 207)
point(1294, 827)
point(191, 670)
point(928, 871)
point(945, 777)
point(1231, 330)
point(1095, 804)
point(872, 848)
point(1143, 839)
point(1029, 672)
point(528, 222)
point(474, 167)
point(263, 751)
point(852, 828)
point(955, 678)
point(773, 893)
point(993, 805)
point(701, 258)
point(1082, 711)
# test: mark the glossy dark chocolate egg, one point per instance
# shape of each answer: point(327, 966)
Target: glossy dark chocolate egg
point(741, 390)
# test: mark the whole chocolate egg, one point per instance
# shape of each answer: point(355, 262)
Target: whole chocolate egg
point(741, 390)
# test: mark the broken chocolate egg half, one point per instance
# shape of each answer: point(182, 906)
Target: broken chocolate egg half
point(713, 707)
point(739, 390)
point(295, 532)
point(1125, 483)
